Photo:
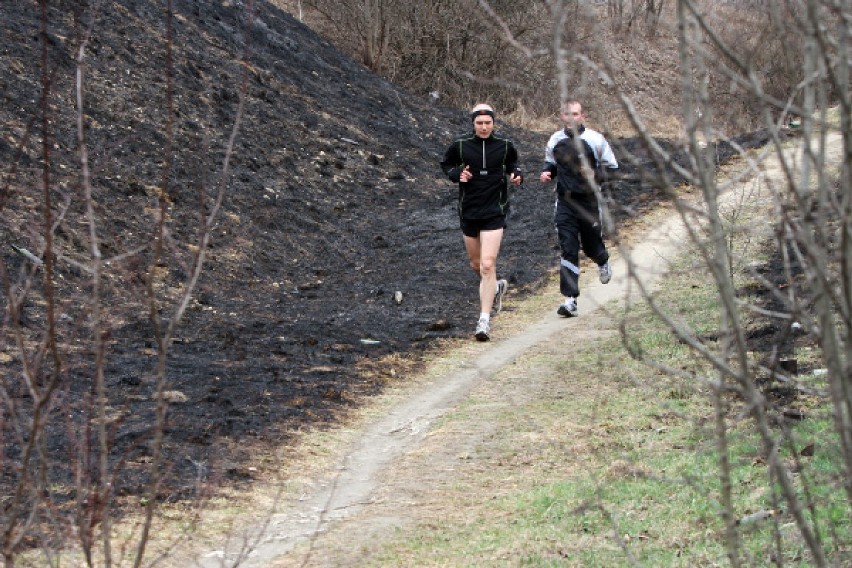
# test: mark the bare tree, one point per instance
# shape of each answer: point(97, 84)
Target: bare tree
point(439, 46)
point(812, 222)
point(48, 409)
point(810, 211)
point(623, 15)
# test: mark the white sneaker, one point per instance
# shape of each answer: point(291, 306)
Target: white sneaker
point(502, 287)
point(605, 272)
point(482, 330)
point(568, 309)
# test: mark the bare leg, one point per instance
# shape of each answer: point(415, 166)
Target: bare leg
point(483, 251)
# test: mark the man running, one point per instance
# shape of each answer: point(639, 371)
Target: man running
point(578, 156)
point(479, 162)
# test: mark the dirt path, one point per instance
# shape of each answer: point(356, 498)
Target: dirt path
point(360, 491)
point(384, 479)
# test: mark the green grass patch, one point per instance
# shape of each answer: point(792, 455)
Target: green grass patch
point(616, 464)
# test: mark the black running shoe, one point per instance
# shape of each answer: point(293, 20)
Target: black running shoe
point(568, 309)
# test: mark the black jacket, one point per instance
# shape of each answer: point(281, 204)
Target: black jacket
point(490, 159)
point(562, 160)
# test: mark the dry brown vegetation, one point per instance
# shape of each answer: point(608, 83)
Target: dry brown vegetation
point(207, 211)
point(502, 52)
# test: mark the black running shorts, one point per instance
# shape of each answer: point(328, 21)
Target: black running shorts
point(472, 227)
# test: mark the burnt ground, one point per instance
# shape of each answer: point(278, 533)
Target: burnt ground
point(334, 202)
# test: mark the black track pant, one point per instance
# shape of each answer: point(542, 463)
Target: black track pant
point(578, 224)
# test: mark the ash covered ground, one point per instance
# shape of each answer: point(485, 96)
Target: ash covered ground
point(334, 201)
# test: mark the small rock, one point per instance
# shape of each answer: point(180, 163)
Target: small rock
point(174, 397)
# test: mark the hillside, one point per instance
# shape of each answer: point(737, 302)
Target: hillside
point(334, 202)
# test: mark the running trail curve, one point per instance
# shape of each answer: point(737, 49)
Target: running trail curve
point(352, 489)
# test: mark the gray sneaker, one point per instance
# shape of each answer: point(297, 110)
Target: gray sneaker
point(568, 309)
point(502, 287)
point(482, 330)
point(605, 272)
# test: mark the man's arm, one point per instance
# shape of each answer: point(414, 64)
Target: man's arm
point(515, 174)
point(451, 164)
point(548, 171)
point(607, 157)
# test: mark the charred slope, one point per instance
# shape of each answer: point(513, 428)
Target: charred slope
point(334, 202)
